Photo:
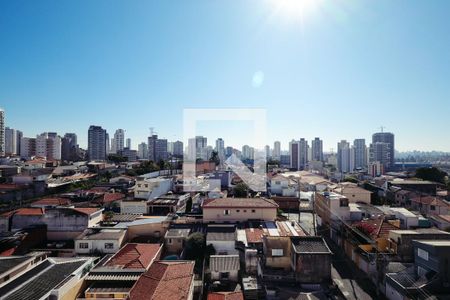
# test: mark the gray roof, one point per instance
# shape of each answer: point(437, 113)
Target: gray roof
point(224, 263)
point(310, 244)
point(221, 233)
point(39, 281)
point(8, 263)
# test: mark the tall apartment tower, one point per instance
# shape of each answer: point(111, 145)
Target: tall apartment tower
point(389, 157)
point(317, 149)
point(360, 157)
point(294, 149)
point(276, 155)
point(69, 147)
point(178, 149)
point(303, 154)
point(220, 148)
point(344, 157)
point(157, 148)
point(128, 143)
point(119, 140)
point(143, 151)
point(2, 132)
point(97, 143)
point(48, 145)
point(11, 141)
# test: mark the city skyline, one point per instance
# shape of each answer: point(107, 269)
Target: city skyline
point(67, 67)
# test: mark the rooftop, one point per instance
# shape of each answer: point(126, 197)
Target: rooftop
point(178, 232)
point(224, 263)
point(310, 244)
point(134, 256)
point(435, 243)
point(226, 296)
point(221, 233)
point(240, 203)
point(165, 280)
point(101, 234)
point(51, 202)
point(40, 280)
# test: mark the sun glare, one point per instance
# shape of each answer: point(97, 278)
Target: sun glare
point(294, 10)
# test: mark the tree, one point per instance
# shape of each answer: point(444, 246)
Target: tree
point(431, 174)
point(240, 190)
point(108, 216)
point(196, 248)
point(350, 179)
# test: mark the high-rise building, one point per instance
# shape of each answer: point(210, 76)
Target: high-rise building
point(143, 151)
point(157, 148)
point(177, 150)
point(10, 141)
point(228, 151)
point(303, 154)
point(360, 157)
point(2, 132)
point(276, 155)
point(48, 145)
point(267, 151)
point(220, 148)
point(69, 147)
point(317, 149)
point(388, 158)
point(19, 135)
point(97, 143)
point(344, 157)
point(129, 143)
point(294, 149)
point(381, 152)
point(119, 140)
point(27, 147)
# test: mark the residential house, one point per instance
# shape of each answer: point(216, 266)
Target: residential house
point(430, 274)
point(222, 238)
point(224, 267)
point(353, 192)
point(175, 239)
point(233, 210)
point(114, 276)
point(441, 221)
point(400, 241)
point(311, 259)
point(151, 188)
point(164, 280)
point(170, 203)
point(99, 241)
point(430, 205)
point(225, 296)
point(12, 266)
point(53, 278)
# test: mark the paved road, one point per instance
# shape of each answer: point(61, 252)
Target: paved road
point(353, 283)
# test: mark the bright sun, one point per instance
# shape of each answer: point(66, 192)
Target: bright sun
point(294, 10)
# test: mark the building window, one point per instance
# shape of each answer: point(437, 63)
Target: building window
point(226, 212)
point(277, 182)
point(109, 246)
point(253, 210)
point(422, 254)
point(83, 245)
point(421, 271)
point(432, 207)
point(169, 241)
point(245, 210)
point(277, 252)
point(237, 210)
point(224, 275)
point(343, 202)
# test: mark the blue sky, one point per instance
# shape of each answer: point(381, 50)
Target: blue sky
point(338, 71)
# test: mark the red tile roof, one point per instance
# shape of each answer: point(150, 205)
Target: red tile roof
point(30, 211)
point(240, 203)
point(381, 227)
point(165, 280)
point(226, 296)
point(445, 217)
point(52, 202)
point(430, 200)
point(135, 256)
point(86, 210)
point(111, 197)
